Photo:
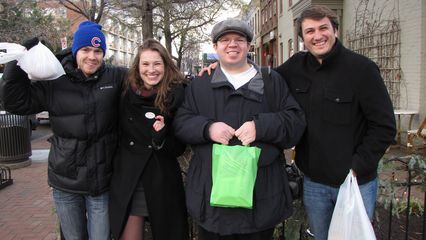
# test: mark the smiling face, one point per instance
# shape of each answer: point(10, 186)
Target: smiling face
point(151, 68)
point(89, 60)
point(319, 36)
point(232, 50)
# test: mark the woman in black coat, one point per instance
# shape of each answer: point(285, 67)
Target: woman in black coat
point(146, 182)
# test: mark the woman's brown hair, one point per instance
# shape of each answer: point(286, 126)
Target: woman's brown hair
point(172, 75)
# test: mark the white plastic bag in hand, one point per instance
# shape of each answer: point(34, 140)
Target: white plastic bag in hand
point(40, 63)
point(10, 52)
point(350, 220)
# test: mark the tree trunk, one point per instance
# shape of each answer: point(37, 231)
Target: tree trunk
point(180, 49)
point(147, 22)
point(167, 32)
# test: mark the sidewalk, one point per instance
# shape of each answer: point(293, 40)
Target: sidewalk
point(26, 209)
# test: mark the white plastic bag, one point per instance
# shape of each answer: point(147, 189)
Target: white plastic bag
point(10, 52)
point(350, 220)
point(41, 64)
point(38, 62)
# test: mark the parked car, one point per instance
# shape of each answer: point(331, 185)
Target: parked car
point(42, 116)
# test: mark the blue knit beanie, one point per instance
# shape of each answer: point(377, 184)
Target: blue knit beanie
point(88, 34)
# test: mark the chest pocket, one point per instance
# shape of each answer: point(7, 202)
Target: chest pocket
point(337, 106)
point(301, 93)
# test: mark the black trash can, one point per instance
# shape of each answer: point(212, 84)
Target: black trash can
point(15, 138)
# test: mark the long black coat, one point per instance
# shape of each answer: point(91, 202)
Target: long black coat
point(137, 156)
point(213, 99)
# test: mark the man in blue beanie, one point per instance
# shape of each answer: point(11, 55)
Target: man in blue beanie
point(88, 34)
point(88, 40)
point(83, 110)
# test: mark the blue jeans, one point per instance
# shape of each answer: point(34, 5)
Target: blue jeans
point(82, 216)
point(319, 201)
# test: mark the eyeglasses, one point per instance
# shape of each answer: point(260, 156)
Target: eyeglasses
point(227, 41)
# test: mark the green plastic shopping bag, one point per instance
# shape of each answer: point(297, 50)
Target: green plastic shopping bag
point(234, 170)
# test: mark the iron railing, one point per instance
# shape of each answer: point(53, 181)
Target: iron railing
point(5, 177)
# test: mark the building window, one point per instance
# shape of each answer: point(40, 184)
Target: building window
point(258, 22)
point(290, 3)
point(255, 22)
point(290, 48)
point(263, 18)
point(281, 53)
point(274, 7)
point(281, 6)
point(300, 44)
point(267, 15)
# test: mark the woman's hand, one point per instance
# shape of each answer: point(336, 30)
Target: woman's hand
point(208, 69)
point(159, 123)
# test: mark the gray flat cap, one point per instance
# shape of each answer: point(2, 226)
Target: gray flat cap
point(231, 26)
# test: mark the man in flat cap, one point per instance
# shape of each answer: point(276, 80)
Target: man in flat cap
point(230, 107)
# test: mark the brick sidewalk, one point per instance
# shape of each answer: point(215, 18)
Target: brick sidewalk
point(26, 210)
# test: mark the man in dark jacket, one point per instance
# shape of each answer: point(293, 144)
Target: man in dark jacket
point(83, 110)
point(349, 115)
point(229, 107)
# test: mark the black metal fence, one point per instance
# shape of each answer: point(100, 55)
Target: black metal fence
point(414, 166)
point(402, 199)
point(399, 213)
point(5, 177)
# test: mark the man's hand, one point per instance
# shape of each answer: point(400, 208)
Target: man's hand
point(29, 43)
point(208, 69)
point(221, 132)
point(246, 133)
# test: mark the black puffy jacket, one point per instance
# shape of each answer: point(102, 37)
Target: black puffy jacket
point(83, 115)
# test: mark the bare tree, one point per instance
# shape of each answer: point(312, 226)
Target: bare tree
point(135, 13)
point(91, 10)
point(187, 47)
point(140, 12)
point(184, 20)
point(174, 19)
point(147, 20)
